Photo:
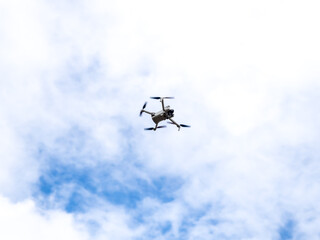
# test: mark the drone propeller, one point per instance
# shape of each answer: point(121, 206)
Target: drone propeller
point(181, 125)
point(162, 97)
point(153, 128)
point(144, 106)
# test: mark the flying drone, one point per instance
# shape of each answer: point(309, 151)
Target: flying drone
point(165, 114)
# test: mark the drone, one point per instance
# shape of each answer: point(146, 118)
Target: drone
point(165, 114)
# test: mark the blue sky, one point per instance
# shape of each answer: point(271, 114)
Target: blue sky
point(75, 161)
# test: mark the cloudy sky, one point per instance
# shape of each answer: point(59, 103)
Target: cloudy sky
point(75, 162)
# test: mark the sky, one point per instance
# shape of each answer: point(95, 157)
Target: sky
point(75, 162)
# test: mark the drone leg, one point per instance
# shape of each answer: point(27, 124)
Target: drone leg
point(175, 123)
point(155, 128)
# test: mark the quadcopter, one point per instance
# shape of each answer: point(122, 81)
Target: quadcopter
point(164, 114)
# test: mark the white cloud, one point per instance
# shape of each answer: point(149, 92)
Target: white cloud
point(24, 221)
point(114, 223)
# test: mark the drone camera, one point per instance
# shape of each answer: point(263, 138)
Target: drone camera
point(170, 112)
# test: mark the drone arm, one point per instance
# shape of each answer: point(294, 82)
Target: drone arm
point(161, 100)
point(175, 123)
point(151, 113)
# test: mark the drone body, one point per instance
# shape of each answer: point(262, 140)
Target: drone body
point(162, 115)
point(165, 114)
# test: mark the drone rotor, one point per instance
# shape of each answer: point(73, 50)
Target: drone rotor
point(162, 97)
point(154, 129)
point(143, 107)
point(181, 125)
